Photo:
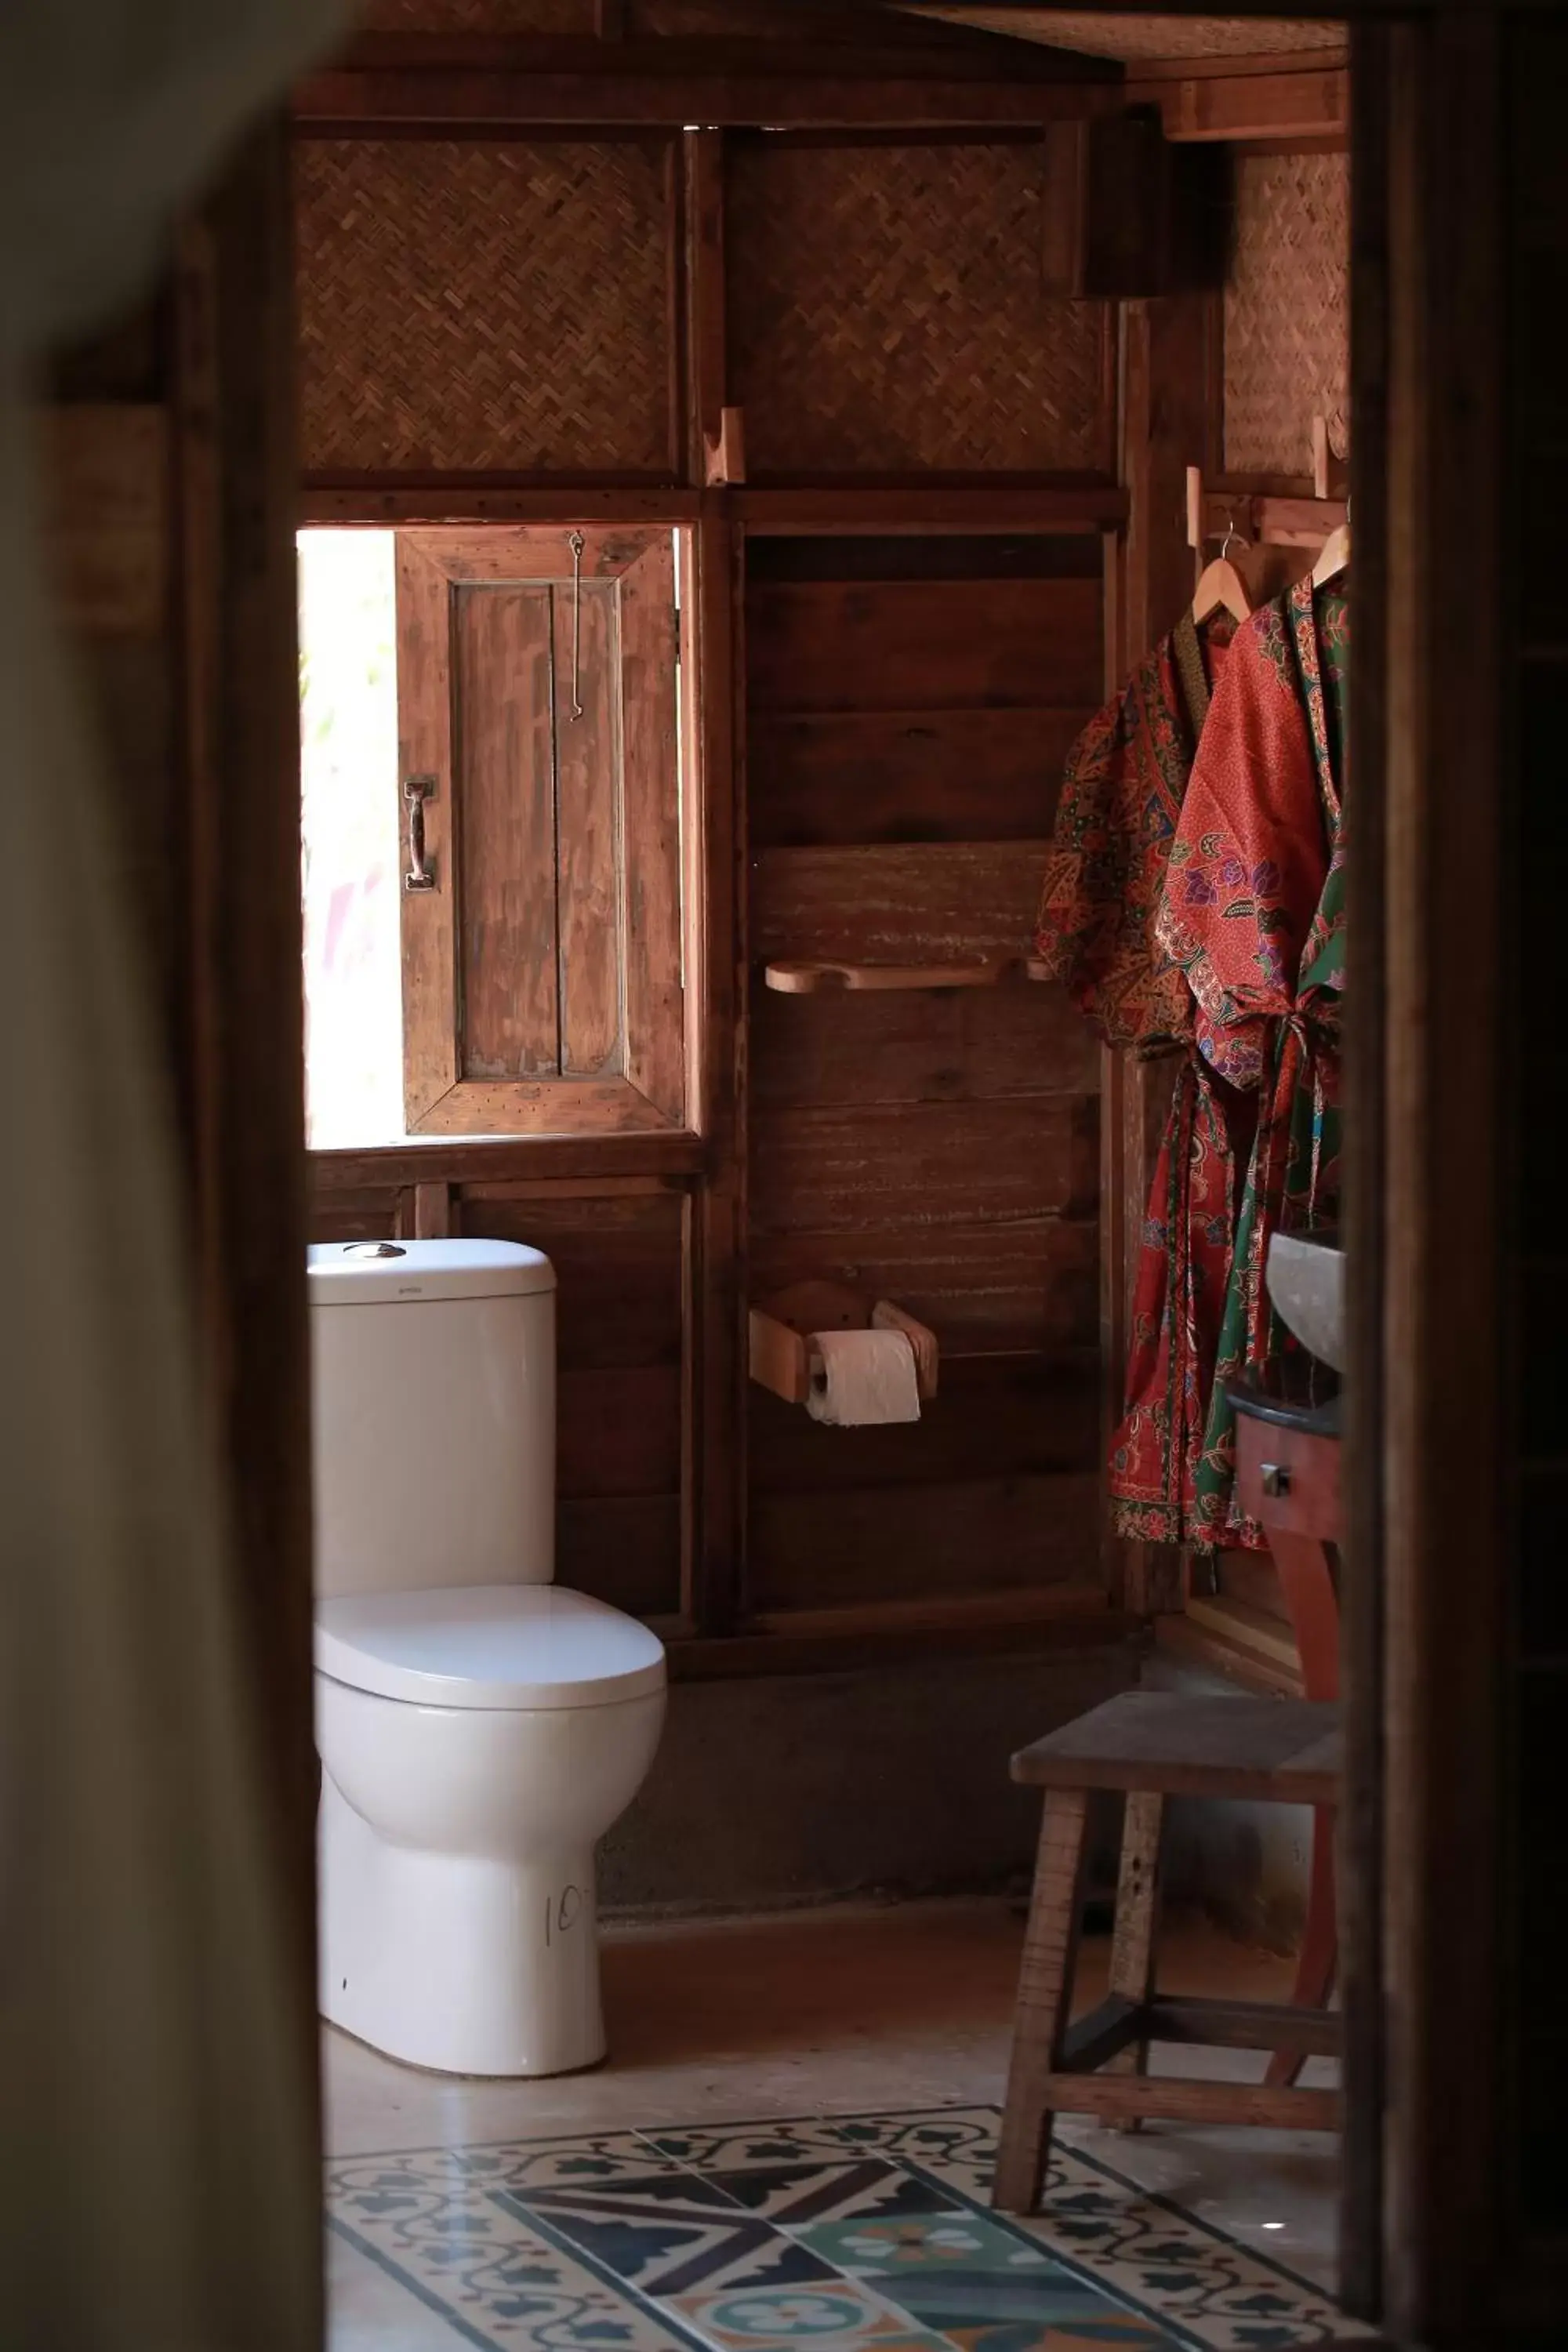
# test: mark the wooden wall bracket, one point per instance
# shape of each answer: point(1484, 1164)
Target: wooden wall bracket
point(726, 451)
point(1259, 519)
point(783, 1358)
point(816, 978)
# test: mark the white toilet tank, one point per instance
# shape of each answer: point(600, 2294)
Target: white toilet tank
point(434, 1421)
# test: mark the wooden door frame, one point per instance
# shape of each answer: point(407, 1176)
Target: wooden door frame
point(1428, 2243)
point(1426, 1554)
point(1433, 2050)
point(237, 1056)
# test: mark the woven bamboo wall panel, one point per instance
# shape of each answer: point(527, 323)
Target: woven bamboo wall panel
point(468, 306)
point(887, 313)
point(479, 16)
point(1287, 313)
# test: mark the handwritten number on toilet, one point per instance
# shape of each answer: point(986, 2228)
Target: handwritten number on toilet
point(561, 1912)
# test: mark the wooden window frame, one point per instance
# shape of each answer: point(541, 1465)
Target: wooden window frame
point(651, 1096)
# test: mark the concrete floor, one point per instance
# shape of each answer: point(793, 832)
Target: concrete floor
point(837, 2013)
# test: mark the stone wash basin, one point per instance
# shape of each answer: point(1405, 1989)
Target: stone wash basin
point(1306, 1276)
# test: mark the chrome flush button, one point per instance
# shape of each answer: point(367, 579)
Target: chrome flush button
point(372, 1249)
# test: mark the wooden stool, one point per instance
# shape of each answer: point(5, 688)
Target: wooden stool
point(1152, 1745)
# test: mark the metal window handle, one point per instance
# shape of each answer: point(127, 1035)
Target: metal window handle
point(421, 873)
point(1276, 1480)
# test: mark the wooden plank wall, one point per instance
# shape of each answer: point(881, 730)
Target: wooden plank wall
point(917, 641)
point(905, 698)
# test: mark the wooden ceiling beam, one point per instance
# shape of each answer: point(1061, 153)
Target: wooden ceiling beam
point(348, 104)
point(1241, 107)
point(970, 56)
point(1230, 67)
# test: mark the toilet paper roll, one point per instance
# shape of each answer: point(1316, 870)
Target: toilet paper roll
point(866, 1376)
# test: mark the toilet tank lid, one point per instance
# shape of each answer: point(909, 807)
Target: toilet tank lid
point(489, 1645)
point(388, 1272)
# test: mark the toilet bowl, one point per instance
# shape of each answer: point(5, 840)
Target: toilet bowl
point(475, 1744)
point(479, 1726)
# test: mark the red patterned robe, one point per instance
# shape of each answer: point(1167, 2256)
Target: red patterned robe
point(1121, 799)
point(1254, 914)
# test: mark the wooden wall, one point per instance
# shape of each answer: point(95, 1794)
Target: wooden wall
point(527, 293)
point(895, 628)
point(900, 622)
point(908, 705)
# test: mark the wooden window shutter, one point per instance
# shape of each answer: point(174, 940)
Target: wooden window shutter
point(540, 788)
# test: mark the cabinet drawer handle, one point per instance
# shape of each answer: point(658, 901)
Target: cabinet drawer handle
point(1276, 1480)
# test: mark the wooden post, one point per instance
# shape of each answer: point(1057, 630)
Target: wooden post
point(1361, 1826)
point(716, 1050)
point(707, 364)
point(432, 1211)
point(236, 602)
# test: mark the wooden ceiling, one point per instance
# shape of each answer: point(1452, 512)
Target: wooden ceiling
point(1140, 38)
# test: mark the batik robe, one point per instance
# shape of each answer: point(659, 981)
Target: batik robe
point(1253, 913)
point(1122, 798)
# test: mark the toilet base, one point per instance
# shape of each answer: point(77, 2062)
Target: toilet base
point(458, 1962)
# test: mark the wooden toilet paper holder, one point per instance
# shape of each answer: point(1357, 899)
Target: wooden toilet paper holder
point(783, 1358)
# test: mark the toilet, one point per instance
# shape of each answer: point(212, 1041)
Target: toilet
point(479, 1728)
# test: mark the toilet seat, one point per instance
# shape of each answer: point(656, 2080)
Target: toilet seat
point(515, 1646)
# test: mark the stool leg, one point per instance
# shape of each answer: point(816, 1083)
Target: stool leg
point(1137, 1910)
point(1044, 1997)
point(1306, 1579)
point(1319, 1958)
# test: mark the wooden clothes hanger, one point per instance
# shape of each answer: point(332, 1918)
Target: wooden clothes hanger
point(1336, 555)
point(1222, 587)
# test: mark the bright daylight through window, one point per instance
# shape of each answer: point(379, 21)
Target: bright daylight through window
point(351, 844)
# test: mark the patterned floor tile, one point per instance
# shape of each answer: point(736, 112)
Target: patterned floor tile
point(994, 2310)
point(878, 2245)
point(1220, 2293)
point(1214, 2293)
point(850, 2231)
point(792, 2195)
point(532, 2166)
point(672, 2234)
point(977, 2279)
point(491, 2277)
point(837, 2317)
point(932, 2139)
point(373, 2309)
point(1125, 2334)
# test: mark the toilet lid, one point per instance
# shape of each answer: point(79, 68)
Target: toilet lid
point(496, 1645)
